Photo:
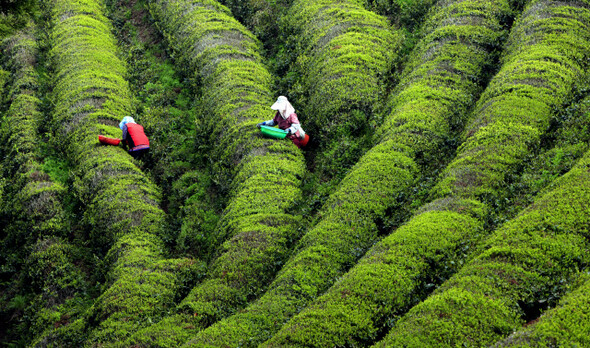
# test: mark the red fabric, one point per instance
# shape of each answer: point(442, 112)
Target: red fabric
point(108, 141)
point(286, 123)
point(300, 142)
point(305, 140)
point(137, 135)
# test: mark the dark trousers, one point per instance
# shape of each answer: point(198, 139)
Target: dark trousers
point(138, 154)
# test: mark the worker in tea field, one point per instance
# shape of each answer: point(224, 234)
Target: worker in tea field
point(286, 119)
point(134, 137)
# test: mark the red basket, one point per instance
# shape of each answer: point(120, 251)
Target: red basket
point(108, 141)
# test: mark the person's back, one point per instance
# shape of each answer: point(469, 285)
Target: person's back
point(134, 137)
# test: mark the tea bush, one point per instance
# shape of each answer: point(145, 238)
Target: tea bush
point(341, 57)
point(121, 210)
point(524, 266)
point(491, 295)
point(260, 176)
point(429, 106)
point(398, 271)
point(564, 325)
point(33, 216)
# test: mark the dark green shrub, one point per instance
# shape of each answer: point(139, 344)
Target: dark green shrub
point(403, 13)
point(564, 325)
point(261, 18)
point(16, 15)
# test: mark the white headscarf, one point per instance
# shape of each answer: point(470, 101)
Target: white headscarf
point(283, 106)
point(126, 119)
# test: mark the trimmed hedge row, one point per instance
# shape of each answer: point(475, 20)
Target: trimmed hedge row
point(380, 182)
point(342, 53)
point(564, 326)
point(59, 283)
point(33, 216)
point(32, 200)
point(120, 203)
point(488, 298)
point(405, 266)
point(561, 147)
point(544, 63)
point(262, 176)
point(524, 265)
point(399, 271)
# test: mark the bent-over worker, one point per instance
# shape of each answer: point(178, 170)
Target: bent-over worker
point(134, 137)
point(286, 119)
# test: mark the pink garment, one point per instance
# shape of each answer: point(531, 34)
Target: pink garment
point(286, 123)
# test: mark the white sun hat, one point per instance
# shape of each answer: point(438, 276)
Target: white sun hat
point(283, 106)
point(126, 119)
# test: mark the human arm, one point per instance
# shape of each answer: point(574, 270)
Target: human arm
point(271, 123)
point(266, 123)
point(295, 127)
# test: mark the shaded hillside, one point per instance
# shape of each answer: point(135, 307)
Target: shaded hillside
point(442, 200)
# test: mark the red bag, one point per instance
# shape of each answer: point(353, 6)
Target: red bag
point(305, 140)
point(108, 141)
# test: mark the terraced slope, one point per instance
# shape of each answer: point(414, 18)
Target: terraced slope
point(378, 183)
point(396, 271)
point(262, 176)
point(121, 214)
point(35, 223)
point(490, 295)
point(464, 222)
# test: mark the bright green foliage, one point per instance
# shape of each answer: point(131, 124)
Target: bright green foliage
point(561, 149)
point(262, 176)
point(400, 270)
point(342, 54)
point(387, 281)
point(523, 266)
point(564, 326)
point(50, 283)
point(32, 200)
point(59, 283)
point(433, 95)
point(358, 271)
point(538, 73)
point(121, 204)
point(171, 331)
point(487, 299)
